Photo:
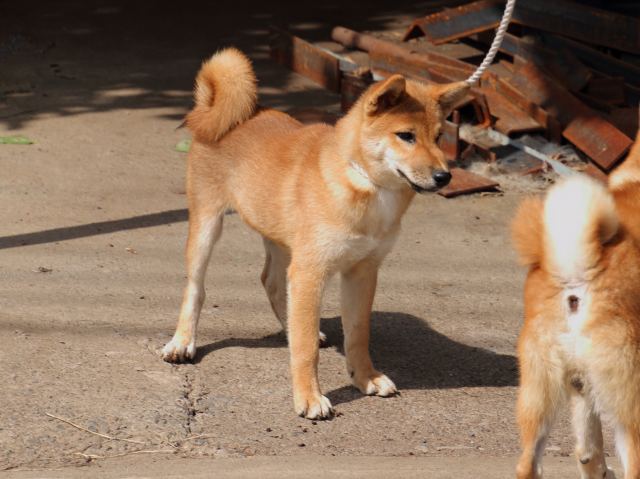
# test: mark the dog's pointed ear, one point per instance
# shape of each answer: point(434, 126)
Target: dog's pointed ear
point(449, 94)
point(385, 95)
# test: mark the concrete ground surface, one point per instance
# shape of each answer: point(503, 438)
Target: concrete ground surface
point(92, 236)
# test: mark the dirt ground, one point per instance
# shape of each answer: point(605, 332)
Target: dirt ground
point(91, 275)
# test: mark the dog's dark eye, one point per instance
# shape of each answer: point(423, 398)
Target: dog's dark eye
point(406, 136)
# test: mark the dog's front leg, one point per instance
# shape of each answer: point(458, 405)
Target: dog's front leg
point(306, 283)
point(357, 291)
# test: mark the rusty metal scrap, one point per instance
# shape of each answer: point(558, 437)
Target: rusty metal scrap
point(583, 127)
point(305, 58)
point(543, 82)
point(560, 62)
point(569, 19)
point(463, 182)
point(383, 48)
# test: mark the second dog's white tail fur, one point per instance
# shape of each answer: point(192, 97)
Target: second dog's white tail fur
point(579, 217)
point(564, 233)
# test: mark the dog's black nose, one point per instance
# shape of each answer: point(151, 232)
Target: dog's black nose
point(441, 177)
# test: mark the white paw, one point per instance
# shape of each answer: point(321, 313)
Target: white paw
point(179, 351)
point(379, 385)
point(314, 407)
point(324, 342)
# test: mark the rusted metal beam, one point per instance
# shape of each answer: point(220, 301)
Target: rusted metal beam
point(517, 96)
point(509, 118)
point(417, 66)
point(583, 127)
point(305, 58)
point(459, 22)
point(579, 21)
point(399, 52)
point(597, 60)
point(560, 62)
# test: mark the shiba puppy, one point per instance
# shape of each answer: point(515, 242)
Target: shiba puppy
point(325, 199)
point(581, 337)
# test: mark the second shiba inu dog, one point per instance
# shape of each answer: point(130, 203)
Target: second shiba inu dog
point(325, 199)
point(581, 337)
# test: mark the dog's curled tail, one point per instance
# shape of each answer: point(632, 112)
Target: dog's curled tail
point(225, 95)
point(565, 233)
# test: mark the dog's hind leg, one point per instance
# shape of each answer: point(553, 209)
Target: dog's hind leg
point(274, 280)
point(357, 290)
point(588, 430)
point(205, 228)
point(541, 392)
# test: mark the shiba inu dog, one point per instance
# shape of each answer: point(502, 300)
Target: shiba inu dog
point(581, 337)
point(325, 199)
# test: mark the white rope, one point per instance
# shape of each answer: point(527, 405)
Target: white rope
point(495, 45)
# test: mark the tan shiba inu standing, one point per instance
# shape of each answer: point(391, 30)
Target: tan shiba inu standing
point(581, 337)
point(325, 199)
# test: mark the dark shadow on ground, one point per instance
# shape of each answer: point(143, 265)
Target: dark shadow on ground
point(414, 356)
point(88, 56)
point(92, 229)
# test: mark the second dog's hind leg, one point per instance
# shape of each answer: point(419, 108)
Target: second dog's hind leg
point(589, 442)
point(274, 280)
point(205, 229)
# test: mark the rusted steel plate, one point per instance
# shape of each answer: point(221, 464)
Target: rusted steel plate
point(603, 142)
point(573, 20)
point(459, 22)
point(509, 118)
point(417, 66)
point(464, 182)
point(457, 50)
point(518, 97)
point(592, 134)
point(304, 58)
point(400, 52)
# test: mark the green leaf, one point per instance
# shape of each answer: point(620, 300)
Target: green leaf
point(15, 140)
point(183, 146)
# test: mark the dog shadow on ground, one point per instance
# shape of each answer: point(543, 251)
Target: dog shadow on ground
point(414, 355)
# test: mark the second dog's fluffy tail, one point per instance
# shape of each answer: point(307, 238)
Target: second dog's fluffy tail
point(565, 234)
point(225, 95)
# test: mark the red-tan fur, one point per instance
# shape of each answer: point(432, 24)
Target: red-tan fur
point(326, 200)
point(601, 375)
